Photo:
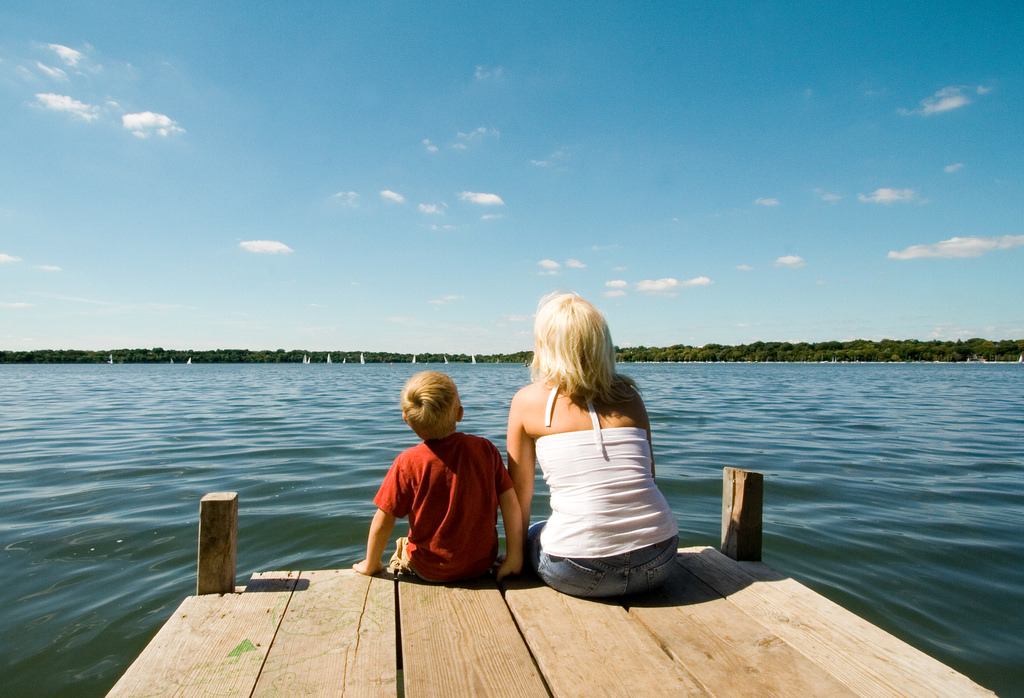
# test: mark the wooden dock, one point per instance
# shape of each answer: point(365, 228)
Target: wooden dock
point(720, 627)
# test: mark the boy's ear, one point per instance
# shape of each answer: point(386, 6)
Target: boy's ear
point(461, 412)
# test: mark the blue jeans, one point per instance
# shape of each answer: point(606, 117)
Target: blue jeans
point(634, 572)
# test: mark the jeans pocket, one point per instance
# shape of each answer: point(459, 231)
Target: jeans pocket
point(569, 577)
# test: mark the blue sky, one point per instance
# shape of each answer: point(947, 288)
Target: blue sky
point(414, 176)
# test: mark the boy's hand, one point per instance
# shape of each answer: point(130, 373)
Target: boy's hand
point(512, 564)
point(368, 567)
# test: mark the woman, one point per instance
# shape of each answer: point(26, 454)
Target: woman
point(611, 532)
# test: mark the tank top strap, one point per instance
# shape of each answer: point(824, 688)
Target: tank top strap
point(551, 406)
point(598, 436)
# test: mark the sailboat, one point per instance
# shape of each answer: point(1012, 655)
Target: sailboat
point(110, 359)
point(1020, 359)
point(305, 359)
point(414, 358)
point(189, 360)
point(361, 359)
point(473, 359)
point(446, 360)
point(328, 358)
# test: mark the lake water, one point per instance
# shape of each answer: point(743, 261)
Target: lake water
point(896, 490)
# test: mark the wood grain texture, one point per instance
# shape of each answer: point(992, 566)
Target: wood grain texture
point(865, 658)
point(594, 648)
point(462, 641)
point(211, 645)
point(337, 638)
point(727, 652)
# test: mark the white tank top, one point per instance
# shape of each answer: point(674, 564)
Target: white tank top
point(603, 497)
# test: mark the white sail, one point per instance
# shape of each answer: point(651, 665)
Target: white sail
point(473, 361)
point(446, 359)
point(414, 358)
point(328, 358)
point(361, 359)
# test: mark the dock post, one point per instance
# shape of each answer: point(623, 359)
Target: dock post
point(218, 543)
point(742, 497)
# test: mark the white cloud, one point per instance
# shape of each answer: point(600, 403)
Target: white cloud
point(886, 195)
point(389, 195)
point(575, 264)
point(553, 160)
point(549, 266)
point(430, 208)
point(484, 73)
point(431, 148)
point(69, 55)
point(616, 283)
point(953, 168)
point(826, 196)
point(265, 247)
point(959, 247)
point(444, 299)
point(67, 104)
point(946, 99)
point(8, 259)
point(55, 73)
point(668, 286)
point(347, 198)
point(745, 267)
point(47, 267)
point(144, 124)
point(615, 293)
point(766, 202)
point(791, 261)
point(477, 134)
point(15, 305)
point(482, 199)
point(491, 216)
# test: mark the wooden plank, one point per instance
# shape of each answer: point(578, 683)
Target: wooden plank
point(862, 656)
point(337, 638)
point(212, 645)
point(728, 652)
point(742, 504)
point(218, 543)
point(461, 640)
point(592, 647)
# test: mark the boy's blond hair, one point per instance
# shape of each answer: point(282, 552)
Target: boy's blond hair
point(430, 404)
point(573, 351)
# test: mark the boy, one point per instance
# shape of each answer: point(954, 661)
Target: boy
point(450, 486)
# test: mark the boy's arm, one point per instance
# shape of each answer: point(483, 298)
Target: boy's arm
point(380, 530)
point(512, 520)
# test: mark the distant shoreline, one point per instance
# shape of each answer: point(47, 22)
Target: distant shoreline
point(855, 351)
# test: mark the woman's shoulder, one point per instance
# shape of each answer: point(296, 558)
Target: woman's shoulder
point(528, 402)
point(532, 393)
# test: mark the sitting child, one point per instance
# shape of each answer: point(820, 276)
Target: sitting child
point(451, 487)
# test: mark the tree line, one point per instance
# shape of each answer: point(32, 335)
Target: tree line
point(159, 355)
point(860, 350)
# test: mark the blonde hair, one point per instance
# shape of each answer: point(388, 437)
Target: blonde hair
point(573, 351)
point(430, 404)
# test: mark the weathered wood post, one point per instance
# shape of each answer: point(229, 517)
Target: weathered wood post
point(218, 543)
point(742, 497)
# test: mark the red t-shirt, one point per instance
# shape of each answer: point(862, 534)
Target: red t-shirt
point(449, 490)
